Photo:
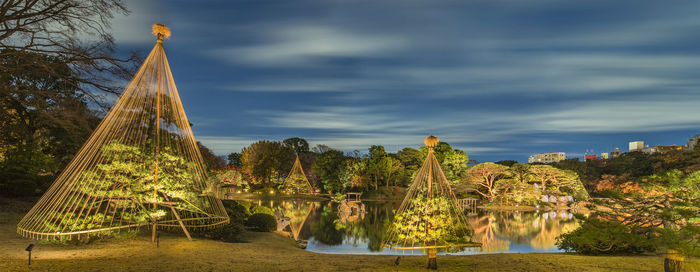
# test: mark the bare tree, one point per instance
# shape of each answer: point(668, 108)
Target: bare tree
point(76, 33)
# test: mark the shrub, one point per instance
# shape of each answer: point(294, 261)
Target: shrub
point(227, 233)
point(261, 209)
point(596, 237)
point(236, 210)
point(262, 222)
point(230, 232)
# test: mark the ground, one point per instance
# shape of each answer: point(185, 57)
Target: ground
point(268, 252)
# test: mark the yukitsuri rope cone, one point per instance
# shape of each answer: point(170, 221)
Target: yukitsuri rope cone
point(429, 218)
point(140, 167)
point(296, 182)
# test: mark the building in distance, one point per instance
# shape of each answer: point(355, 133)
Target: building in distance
point(547, 157)
point(590, 157)
point(636, 146)
point(693, 142)
point(616, 153)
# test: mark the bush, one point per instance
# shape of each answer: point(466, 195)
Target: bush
point(262, 222)
point(261, 209)
point(231, 232)
point(227, 233)
point(236, 210)
point(596, 237)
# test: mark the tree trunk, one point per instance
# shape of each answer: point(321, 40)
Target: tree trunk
point(432, 258)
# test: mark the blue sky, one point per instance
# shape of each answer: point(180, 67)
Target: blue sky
point(500, 79)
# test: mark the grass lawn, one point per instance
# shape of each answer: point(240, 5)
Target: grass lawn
point(267, 252)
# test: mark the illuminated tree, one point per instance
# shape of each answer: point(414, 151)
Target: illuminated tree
point(429, 217)
point(141, 166)
point(484, 177)
point(296, 182)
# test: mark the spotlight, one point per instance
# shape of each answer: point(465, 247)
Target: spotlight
point(29, 250)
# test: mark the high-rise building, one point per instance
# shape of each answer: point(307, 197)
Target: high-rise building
point(547, 157)
point(604, 156)
point(636, 146)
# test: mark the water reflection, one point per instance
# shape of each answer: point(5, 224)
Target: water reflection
point(359, 228)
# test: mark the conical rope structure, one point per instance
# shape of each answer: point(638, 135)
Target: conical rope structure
point(140, 167)
point(296, 182)
point(429, 217)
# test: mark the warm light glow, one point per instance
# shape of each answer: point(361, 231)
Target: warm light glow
point(163, 30)
point(146, 125)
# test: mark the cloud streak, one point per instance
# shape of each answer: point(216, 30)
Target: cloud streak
point(501, 79)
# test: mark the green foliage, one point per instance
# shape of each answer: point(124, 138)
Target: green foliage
point(211, 160)
point(329, 166)
point(231, 177)
point(267, 160)
point(232, 231)
point(262, 222)
point(455, 166)
point(44, 119)
point(442, 151)
point(326, 230)
point(429, 221)
point(299, 145)
point(228, 233)
point(598, 237)
point(121, 182)
point(234, 159)
point(483, 177)
point(508, 163)
point(378, 165)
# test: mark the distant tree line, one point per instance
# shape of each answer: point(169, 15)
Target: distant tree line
point(268, 163)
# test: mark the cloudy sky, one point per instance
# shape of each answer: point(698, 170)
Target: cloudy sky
point(500, 79)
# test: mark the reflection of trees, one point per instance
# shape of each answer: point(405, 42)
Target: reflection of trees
point(376, 223)
point(297, 213)
point(325, 230)
point(332, 227)
point(538, 230)
point(484, 233)
point(551, 229)
point(516, 226)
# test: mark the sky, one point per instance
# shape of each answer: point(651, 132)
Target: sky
point(499, 79)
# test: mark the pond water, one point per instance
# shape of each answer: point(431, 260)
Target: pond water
point(359, 228)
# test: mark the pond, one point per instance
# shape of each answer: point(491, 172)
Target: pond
point(359, 228)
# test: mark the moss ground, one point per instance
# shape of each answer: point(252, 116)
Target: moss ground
point(267, 252)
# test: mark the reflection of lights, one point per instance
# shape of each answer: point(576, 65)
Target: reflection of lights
point(272, 191)
point(238, 192)
point(246, 190)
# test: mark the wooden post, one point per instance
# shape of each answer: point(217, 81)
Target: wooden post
point(432, 258)
point(187, 233)
point(432, 252)
point(155, 191)
point(673, 261)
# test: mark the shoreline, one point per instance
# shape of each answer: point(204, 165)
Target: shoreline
point(266, 252)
